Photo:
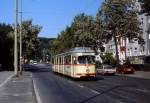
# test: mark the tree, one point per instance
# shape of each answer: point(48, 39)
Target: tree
point(88, 31)
point(30, 42)
point(6, 46)
point(82, 28)
point(84, 31)
point(109, 59)
point(120, 21)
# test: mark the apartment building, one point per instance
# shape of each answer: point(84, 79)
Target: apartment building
point(133, 49)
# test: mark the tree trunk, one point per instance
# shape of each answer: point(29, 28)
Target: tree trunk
point(125, 49)
point(116, 47)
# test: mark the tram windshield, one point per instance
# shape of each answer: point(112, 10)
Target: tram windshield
point(86, 59)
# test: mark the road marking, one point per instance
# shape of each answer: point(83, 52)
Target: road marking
point(94, 91)
point(36, 92)
point(81, 86)
point(70, 82)
point(3, 83)
point(142, 90)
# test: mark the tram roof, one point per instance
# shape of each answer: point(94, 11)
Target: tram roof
point(79, 50)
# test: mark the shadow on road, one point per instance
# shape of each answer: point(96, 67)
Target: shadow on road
point(79, 79)
point(35, 68)
point(107, 91)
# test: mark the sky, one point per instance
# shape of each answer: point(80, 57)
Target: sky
point(52, 15)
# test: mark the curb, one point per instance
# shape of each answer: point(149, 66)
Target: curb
point(132, 76)
point(38, 98)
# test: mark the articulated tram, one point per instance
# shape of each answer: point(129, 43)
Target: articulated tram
point(77, 62)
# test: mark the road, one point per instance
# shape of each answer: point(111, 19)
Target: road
point(54, 88)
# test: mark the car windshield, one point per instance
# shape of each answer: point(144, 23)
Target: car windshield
point(86, 59)
point(108, 67)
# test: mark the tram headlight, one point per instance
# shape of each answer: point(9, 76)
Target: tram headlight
point(87, 70)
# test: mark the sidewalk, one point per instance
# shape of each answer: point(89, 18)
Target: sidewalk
point(4, 77)
point(18, 90)
point(139, 74)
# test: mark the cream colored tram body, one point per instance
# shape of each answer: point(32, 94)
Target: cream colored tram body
point(77, 62)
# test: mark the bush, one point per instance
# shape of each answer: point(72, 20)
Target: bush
point(109, 59)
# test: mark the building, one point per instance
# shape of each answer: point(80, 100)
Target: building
point(133, 49)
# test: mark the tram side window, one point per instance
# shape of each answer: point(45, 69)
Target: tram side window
point(60, 60)
point(68, 59)
point(57, 60)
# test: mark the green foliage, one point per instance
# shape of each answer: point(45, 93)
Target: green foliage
point(6, 45)
point(109, 59)
point(120, 21)
point(44, 48)
point(30, 42)
point(115, 19)
point(84, 31)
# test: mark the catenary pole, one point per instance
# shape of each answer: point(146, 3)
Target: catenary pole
point(15, 40)
point(21, 37)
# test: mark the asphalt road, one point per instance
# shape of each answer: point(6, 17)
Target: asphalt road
point(54, 88)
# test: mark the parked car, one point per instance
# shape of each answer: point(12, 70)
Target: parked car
point(125, 69)
point(106, 69)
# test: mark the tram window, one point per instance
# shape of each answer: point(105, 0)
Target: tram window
point(86, 59)
point(65, 59)
point(60, 61)
point(56, 60)
point(68, 59)
point(82, 60)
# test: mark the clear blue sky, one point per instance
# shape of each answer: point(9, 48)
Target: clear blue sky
point(52, 15)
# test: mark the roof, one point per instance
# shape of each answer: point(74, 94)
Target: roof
point(78, 50)
point(81, 49)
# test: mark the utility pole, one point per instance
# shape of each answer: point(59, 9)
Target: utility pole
point(44, 55)
point(15, 40)
point(20, 36)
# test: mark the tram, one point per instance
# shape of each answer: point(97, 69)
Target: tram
point(77, 62)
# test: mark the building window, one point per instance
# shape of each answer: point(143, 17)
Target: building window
point(142, 21)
